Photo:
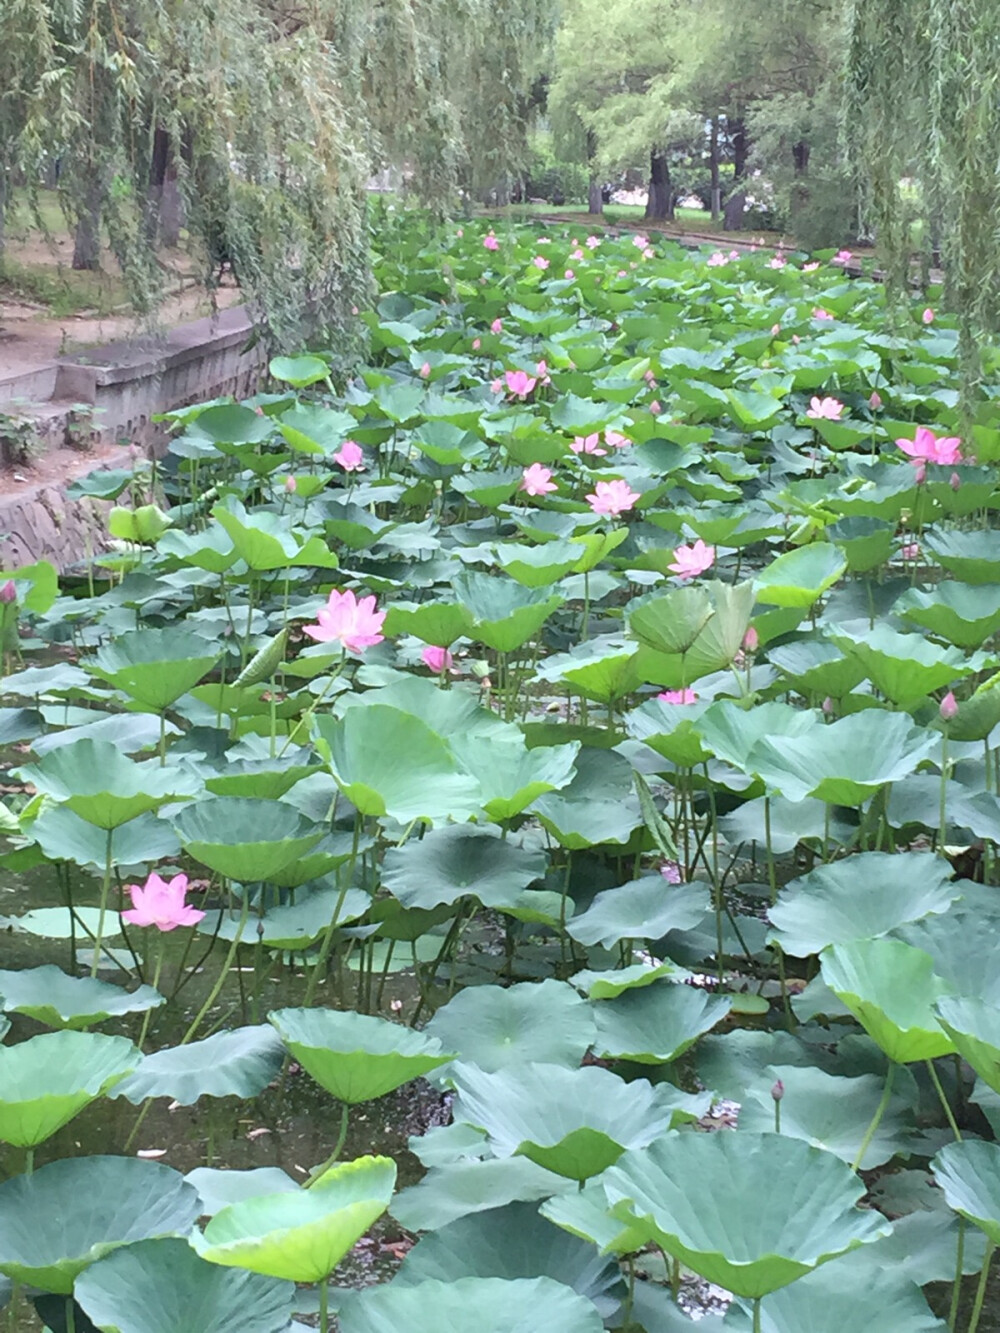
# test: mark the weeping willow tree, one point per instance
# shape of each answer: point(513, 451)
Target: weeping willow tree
point(924, 102)
point(267, 117)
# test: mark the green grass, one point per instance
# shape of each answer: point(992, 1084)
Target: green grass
point(63, 291)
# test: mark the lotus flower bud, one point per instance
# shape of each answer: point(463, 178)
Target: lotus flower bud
point(655, 408)
point(476, 344)
point(948, 707)
point(751, 640)
point(827, 705)
point(954, 481)
point(291, 485)
point(778, 1090)
point(875, 401)
point(425, 370)
point(775, 330)
point(928, 316)
point(8, 593)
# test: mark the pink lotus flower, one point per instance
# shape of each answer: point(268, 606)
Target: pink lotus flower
point(684, 696)
point(810, 268)
point(577, 254)
point(777, 262)
point(649, 253)
point(570, 274)
point(490, 242)
point(592, 242)
point(615, 440)
point(655, 408)
point(948, 707)
point(519, 383)
point(291, 485)
point(842, 257)
point(588, 444)
point(547, 240)
point(344, 619)
point(689, 561)
point(911, 551)
point(928, 316)
point(537, 480)
point(541, 262)
point(875, 401)
point(460, 233)
point(926, 448)
point(671, 872)
point(825, 409)
point(820, 313)
point(717, 260)
point(775, 330)
point(438, 659)
point(796, 339)
point(954, 481)
point(496, 386)
point(622, 273)
point(612, 497)
point(827, 706)
point(751, 640)
point(425, 370)
point(641, 242)
point(476, 344)
point(161, 904)
point(8, 593)
point(350, 457)
point(496, 326)
point(734, 254)
point(542, 371)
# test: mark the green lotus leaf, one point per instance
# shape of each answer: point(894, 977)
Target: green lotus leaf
point(645, 909)
point(846, 761)
point(609, 985)
point(212, 549)
point(817, 668)
point(301, 1236)
point(862, 897)
point(439, 623)
point(64, 836)
point(866, 542)
point(292, 926)
point(313, 429)
point(161, 1286)
point(731, 732)
point(973, 557)
point(585, 1213)
point(891, 989)
point(575, 1122)
point(489, 489)
point(388, 762)
point(62, 923)
point(671, 622)
point(964, 614)
point(800, 577)
point(51, 997)
point(598, 805)
point(828, 1301)
point(511, 1242)
point(903, 667)
point(240, 1063)
point(974, 1028)
point(505, 615)
point(494, 1027)
point(231, 423)
point(828, 1111)
point(969, 1175)
point(299, 371)
point(672, 730)
point(460, 1188)
point(789, 822)
point(656, 1024)
point(456, 861)
point(510, 776)
point(470, 1305)
point(219, 1188)
point(538, 566)
point(47, 1080)
point(104, 787)
point(154, 666)
point(245, 839)
point(603, 668)
point(714, 646)
point(356, 1058)
point(70, 1213)
point(672, 1189)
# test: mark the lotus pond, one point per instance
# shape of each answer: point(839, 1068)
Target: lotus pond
point(508, 841)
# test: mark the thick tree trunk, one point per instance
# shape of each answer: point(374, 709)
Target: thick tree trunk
point(741, 147)
point(713, 162)
point(800, 158)
point(87, 242)
point(595, 199)
point(660, 203)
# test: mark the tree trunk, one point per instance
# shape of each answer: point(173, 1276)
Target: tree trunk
point(800, 157)
point(595, 199)
point(3, 212)
point(714, 166)
point(87, 242)
point(660, 203)
point(154, 195)
point(741, 147)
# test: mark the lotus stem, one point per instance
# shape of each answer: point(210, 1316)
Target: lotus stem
point(956, 1286)
point(949, 1114)
point(29, 1161)
point(944, 792)
point(345, 1112)
point(144, 1111)
point(324, 1307)
point(156, 981)
point(70, 1315)
point(324, 948)
point(213, 994)
point(977, 1308)
point(756, 1315)
point(877, 1117)
point(105, 890)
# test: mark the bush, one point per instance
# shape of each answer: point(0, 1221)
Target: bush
point(825, 215)
point(554, 181)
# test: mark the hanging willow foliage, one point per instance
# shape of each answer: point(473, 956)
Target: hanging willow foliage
point(923, 101)
point(271, 115)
